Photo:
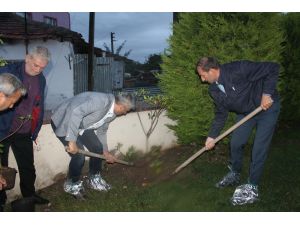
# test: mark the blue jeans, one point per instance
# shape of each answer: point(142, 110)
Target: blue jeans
point(265, 123)
point(92, 143)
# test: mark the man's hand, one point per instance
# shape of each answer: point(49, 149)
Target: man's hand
point(109, 157)
point(72, 148)
point(2, 183)
point(36, 145)
point(209, 143)
point(266, 101)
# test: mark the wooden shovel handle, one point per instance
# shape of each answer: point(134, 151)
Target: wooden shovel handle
point(95, 155)
point(92, 154)
point(249, 116)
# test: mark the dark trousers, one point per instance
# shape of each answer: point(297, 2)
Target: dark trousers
point(92, 143)
point(22, 148)
point(2, 199)
point(265, 123)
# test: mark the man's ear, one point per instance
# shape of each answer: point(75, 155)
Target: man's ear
point(2, 94)
point(116, 106)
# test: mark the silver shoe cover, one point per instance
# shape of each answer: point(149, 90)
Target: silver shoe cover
point(75, 189)
point(230, 179)
point(96, 182)
point(244, 194)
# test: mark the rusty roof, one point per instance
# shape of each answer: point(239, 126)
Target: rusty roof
point(12, 27)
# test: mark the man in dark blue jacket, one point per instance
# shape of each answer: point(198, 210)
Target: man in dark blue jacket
point(11, 90)
point(25, 131)
point(241, 87)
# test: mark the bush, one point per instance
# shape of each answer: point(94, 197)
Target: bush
point(227, 36)
point(290, 91)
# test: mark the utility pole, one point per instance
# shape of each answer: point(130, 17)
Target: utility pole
point(175, 17)
point(91, 52)
point(112, 39)
point(26, 32)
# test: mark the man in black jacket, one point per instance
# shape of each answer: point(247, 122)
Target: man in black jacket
point(240, 87)
point(31, 106)
point(11, 90)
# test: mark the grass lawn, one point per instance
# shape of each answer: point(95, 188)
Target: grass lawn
point(150, 187)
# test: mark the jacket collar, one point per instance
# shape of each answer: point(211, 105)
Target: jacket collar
point(221, 79)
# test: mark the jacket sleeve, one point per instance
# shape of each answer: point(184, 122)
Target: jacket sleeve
point(76, 118)
point(218, 123)
point(6, 69)
point(221, 113)
point(267, 71)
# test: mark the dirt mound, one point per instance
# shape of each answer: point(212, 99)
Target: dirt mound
point(151, 168)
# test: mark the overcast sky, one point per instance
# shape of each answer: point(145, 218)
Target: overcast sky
point(145, 33)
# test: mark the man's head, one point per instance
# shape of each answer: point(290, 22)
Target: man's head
point(208, 69)
point(11, 89)
point(37, 60)
point(123, 104)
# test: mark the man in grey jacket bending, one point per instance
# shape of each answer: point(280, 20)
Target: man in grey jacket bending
point(83, 120)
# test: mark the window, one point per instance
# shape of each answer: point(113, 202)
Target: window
point(50, 21)
point(28, 15)
point(22, 14)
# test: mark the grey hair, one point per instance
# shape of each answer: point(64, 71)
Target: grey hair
point(9, 84)
point(125, 99)
point(41, 52)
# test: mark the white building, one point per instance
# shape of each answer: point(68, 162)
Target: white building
point(19, 37)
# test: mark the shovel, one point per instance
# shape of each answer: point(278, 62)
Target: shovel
point(249, 116)
point(95, 155)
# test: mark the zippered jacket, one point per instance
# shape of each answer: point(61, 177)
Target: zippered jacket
point(244, 82)
point(7, 116)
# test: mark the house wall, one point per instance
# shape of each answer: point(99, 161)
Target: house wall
point(51, 161)
point(58, 73)
point(63, 18)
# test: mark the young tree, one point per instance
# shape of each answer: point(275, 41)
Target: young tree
point(227, 36)
point(158, 106)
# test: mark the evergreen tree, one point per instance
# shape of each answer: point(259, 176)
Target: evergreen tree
point(152, 62)
point(291, 64)
point(226, 36)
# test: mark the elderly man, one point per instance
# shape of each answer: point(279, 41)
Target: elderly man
point(31, 106)
point(11, 89)
point(83, 121)
point(240, 87)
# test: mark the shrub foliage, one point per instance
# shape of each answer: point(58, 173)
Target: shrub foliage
point(227, 36)
point(290, 88)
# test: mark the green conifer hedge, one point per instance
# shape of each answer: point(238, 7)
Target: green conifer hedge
point(227, 36)
point(290, 88)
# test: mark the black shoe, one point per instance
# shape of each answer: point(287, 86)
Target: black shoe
point(23, 205)
point(40, 200)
